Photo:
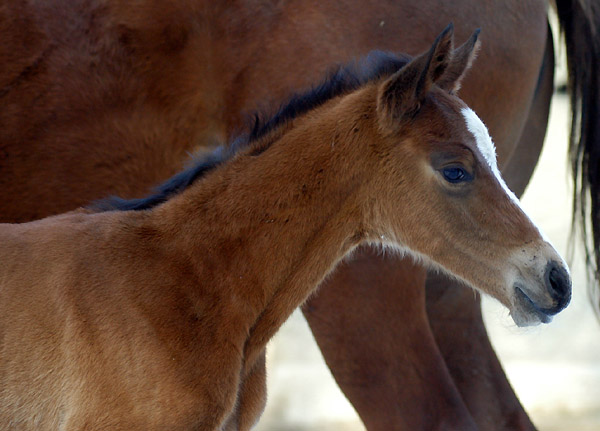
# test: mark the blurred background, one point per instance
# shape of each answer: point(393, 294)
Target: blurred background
point(554, 369)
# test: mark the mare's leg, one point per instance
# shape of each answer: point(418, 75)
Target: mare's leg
point(386, 361)
point(455, 318)
point(455, 313)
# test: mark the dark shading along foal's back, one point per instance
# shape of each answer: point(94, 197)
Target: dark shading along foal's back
point(157, 319)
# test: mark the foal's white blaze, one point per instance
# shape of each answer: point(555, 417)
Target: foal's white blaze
point(488, 150)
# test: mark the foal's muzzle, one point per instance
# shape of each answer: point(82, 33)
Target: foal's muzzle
point(558, 286)
point(558, 283)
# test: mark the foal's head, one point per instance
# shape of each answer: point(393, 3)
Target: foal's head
point(438, 157)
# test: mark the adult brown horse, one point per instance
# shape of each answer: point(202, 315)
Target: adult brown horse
point(105, 97)
point(176, 299)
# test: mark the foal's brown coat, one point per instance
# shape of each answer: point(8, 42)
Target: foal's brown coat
point(157, 319)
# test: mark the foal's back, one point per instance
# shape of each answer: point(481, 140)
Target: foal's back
point(90, 316)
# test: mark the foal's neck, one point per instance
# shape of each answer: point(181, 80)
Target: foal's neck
point(266, 229)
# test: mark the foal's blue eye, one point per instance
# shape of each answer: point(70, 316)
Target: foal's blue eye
point(454, 174)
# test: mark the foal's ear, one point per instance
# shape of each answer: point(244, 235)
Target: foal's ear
point(461, 62)
point(401, 94)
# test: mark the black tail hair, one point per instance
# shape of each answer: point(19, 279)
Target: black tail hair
point(580, 24)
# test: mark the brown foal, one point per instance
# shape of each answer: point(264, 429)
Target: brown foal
point(156, 316)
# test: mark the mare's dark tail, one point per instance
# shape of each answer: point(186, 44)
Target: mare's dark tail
point(580, 24)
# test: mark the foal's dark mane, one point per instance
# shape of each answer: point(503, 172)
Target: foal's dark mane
point(339, 81)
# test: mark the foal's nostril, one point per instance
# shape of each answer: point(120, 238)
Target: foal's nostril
point(558, 283)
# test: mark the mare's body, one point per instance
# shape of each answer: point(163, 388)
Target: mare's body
point(92, 92)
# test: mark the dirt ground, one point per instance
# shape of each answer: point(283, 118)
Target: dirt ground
point(555, 369)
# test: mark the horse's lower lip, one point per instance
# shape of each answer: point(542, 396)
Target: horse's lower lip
point(544, 314)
